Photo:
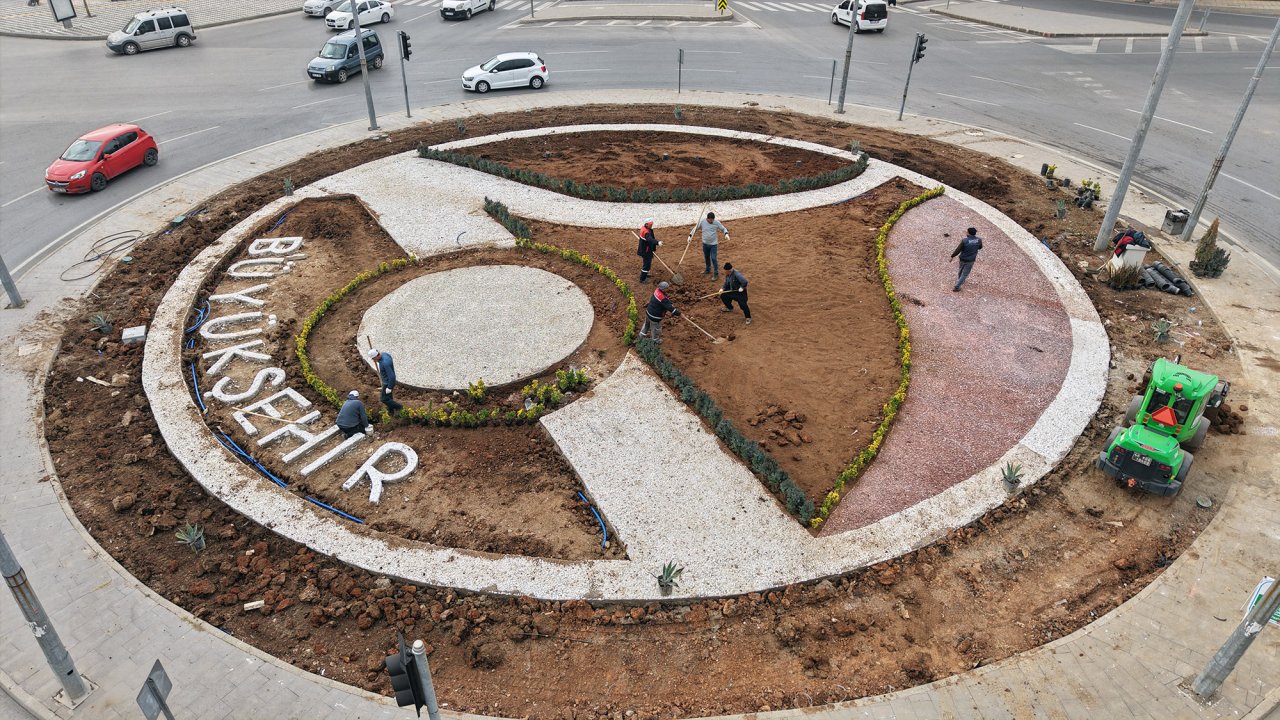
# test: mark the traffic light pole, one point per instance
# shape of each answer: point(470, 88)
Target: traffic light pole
point(424, 677)
point(403, 77)
point(15, 297)
point(915, 49)
point(848, 58)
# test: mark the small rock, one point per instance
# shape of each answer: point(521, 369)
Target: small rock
point(120, 503)
point(202, 588)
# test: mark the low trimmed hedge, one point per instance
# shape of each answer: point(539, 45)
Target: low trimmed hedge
point(890, 409)
point(593, 191)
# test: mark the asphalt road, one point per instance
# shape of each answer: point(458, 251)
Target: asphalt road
point(243, 86)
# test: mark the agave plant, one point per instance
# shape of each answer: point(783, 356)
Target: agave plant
point(1012, 473)
point(669, 577)
point(192, 536)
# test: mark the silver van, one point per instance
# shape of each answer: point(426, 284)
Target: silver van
point(166, 27)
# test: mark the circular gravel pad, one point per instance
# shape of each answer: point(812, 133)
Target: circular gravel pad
point(501, 323)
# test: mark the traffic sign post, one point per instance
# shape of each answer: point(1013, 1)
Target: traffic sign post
point(154, 693)
point(917, 54)
point(405, 52)
point(722, 5)
point(679, 70)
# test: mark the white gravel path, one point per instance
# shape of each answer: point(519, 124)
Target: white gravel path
point(659, 478)
point(499, 323)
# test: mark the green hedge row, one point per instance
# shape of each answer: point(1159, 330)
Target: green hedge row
point(593, 191)
point(750, 452)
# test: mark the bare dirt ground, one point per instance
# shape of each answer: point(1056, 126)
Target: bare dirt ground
point(1044, 564)
point(654, 160)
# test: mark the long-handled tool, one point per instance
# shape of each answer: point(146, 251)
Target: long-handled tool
point(676, 277)
point(717, 293)
point(689, 242)
point(714, 340)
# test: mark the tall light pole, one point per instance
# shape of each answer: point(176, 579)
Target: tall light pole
point(1231, 135)
point(364, 67)
point(54, 651)
point(1144, 123)
point(15, 298)
point(848, 57)
point(1246, 632)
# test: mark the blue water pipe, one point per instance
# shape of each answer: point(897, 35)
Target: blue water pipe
point(330, 508)
point(599, 519)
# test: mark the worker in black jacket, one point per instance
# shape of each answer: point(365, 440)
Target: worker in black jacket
point(659, 305)
point(735, 288)
point(968, 252)
point(647, 247)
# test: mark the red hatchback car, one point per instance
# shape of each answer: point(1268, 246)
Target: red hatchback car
point(99, 156)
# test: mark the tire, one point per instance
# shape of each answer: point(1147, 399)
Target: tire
point(342, 75)
point(835, 19)
point(856, 27)
point(150, 158)
point(468, 13)
point(536, 82)
point(183, 40)
point(1185, 470)
point(377, 63)
point(493, 5)
point(1131, 415)
point(327, 10)
point(131, 48)
point(482, 87)
point(1116, 432)
point(386, 18)
point(98, 182)
point(1197, 440)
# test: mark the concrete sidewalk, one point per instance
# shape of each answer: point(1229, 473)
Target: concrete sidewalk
point(1052, 23)
point(105, 17)
point(1129, 663)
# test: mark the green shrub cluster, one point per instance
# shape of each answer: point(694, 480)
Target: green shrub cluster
point(571, 379)
point(890, 409)
point(452, 414)
point(752, 455)
point(593, 191)
point(542, 393)
point(498, 212)
point(477, 390)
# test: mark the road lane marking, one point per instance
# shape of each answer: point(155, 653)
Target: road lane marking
point(273, 87)
point(197, 132)
point(135, 122)
point(561, 72)
point(1006, 82)
point(1104, 132)
point(33, 192)
point(1249, 185)
point(717, 52)
point(957, 97)
point(317, 102)
point(577, 52)
point(688, 69)
point(1175, 122)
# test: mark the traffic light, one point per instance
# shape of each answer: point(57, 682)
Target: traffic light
point(405, 52)
point(403, 670)
point(921, 41)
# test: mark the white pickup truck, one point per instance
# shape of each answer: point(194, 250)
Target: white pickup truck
point(464, 8)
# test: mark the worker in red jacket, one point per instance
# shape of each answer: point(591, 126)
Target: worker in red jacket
point(659, 305)
point(648, 246)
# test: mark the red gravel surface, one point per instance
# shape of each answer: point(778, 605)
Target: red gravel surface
point(986, 361)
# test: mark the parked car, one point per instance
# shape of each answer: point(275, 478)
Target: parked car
point(464, 8)
point(340, 57)
point(319, 8)
point(167, 27)
point(100, 156)
point(371, 11)
point(518, 69)
point(867, 15)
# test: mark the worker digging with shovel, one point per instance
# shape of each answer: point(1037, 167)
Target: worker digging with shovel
point(658, 307)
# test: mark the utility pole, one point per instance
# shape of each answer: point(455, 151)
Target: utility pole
point(364, 67)
point(1231, 135)
point(1207, 683)
point(848, 57)
point(1140, 135)
point(424, 677)
point(54, 651)
point(15, 298)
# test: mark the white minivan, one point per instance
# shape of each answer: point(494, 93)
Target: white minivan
point(464, 8)
point(167, 27)
point(866, 15)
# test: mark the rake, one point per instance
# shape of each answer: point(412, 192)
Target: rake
point(714, 340)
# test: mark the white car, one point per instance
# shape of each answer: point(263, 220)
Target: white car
point(518, 69)
point(371, 11)
point(866, 15)
point(464, 8)
point(319, 8)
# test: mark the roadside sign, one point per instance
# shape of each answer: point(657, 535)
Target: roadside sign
point(63, 11)
point(721, 5)
point(151, 699)
point(1258, 592)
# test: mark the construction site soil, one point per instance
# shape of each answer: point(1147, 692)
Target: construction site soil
point(1046, 562)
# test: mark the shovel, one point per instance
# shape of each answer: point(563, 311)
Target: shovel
point(714, 340)
point(676, 277)
point(717, 293)
point(689, 242)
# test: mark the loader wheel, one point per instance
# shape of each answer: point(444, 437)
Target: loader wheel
point(1131, 415)
point(1197, 440)
point(1187, 459)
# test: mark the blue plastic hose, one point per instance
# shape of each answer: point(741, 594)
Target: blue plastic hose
point(330, 508)
point(230, 444)
point(196, 384)
point(599, 519)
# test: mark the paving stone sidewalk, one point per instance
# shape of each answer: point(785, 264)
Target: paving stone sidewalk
point(1127, 664)
point(104, 17)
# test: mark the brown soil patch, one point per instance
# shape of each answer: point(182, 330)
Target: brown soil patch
point(1041, 566)
point(492, 489)
point(655, 160)
point(808, 378)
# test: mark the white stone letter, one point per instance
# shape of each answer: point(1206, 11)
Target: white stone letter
point(274, 246)
point(209, 333)
point(309, 440)
point(242, 296)
point(266, 406)
point(376, 476)
point(235, 271)
point(227, 354)
point(219, 391)
point(337, 452)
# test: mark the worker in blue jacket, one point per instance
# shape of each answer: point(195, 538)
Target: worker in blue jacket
point(352, 418)
point(967, 250)
point(387, 373)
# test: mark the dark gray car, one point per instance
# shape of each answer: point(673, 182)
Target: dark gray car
point(339, 59)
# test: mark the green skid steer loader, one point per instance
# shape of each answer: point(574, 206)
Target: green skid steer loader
point(1150, 451)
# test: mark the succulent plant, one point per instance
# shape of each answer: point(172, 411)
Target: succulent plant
point(1012, 473)
point(192, 536)
point(1162, 328)
point(669, 577)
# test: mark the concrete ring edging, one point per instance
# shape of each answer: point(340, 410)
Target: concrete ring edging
point(188, 438)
